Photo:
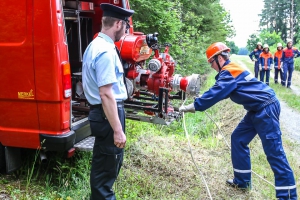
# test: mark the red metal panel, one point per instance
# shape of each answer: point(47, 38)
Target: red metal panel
point(18, 92)
point(51, 51)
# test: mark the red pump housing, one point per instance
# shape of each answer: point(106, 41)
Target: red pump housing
point(160, 70)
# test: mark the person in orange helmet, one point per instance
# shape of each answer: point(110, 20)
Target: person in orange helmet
point(262, 118)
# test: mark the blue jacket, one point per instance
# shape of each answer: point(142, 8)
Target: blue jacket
point(240, 86)
point(288, 54)
point(255, 53)
point(265, 60)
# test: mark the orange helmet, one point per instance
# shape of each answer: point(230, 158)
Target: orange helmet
point(215, 49)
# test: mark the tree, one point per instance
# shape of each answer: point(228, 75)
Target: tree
point(281, 17)
point(190, 28)
point(162, 18)
point(252, 42)
point(269, 38)
point(234, 49)
point(265, 37)
point(243, 51)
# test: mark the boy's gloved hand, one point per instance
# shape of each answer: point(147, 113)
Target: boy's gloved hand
point(187, 108)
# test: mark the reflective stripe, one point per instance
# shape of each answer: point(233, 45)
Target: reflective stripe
point(249, 77)
point(242, 171)
point(285, 187)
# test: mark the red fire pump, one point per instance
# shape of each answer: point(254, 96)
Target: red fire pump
point(150, 88)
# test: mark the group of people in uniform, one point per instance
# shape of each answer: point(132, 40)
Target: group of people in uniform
point(282, 61)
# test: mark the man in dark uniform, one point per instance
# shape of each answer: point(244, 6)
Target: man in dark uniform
point(105, 90)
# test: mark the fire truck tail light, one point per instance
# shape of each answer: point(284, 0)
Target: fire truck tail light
point(66, 73)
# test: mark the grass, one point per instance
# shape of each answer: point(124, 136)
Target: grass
point(157, 163)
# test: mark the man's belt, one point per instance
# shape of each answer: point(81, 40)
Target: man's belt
point(119, 104)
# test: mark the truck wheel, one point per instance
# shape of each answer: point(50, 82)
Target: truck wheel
point(2, 159)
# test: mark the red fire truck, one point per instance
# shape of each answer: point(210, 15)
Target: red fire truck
point(42, 104)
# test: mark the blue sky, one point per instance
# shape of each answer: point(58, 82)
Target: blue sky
point(244, 16)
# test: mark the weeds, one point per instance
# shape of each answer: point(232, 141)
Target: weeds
point(31, 170)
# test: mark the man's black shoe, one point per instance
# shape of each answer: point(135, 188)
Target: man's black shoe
point(232, 184)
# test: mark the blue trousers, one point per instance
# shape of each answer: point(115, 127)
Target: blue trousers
point(262, 76)
point(288, 69)
point(276, 75)
point(265, 123)
point(256, 69)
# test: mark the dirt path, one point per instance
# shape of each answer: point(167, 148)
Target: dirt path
point(289, 118)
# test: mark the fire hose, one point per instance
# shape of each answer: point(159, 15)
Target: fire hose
point(192, 155)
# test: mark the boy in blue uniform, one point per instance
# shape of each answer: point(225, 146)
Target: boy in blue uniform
point(104, 88)
point(288, 55)
point(265, 64)
point(278, 63)
point(256, 52)
point(262, 118)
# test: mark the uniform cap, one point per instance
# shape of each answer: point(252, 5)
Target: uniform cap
point(110, 10)
point(266, 46)
point(279, 45)
point(259, 43)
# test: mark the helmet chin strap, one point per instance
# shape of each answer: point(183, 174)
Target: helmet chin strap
point(217, 61)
